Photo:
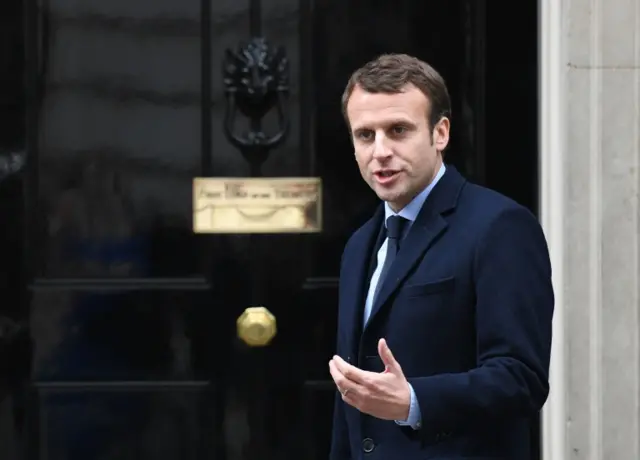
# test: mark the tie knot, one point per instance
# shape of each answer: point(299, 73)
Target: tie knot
point(395, 225)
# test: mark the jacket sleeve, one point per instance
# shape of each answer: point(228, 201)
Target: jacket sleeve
point(340, 449)
point(513, 314)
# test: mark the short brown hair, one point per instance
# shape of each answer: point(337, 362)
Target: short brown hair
point(390, 73)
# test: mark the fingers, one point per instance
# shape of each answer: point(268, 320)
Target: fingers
point(390, 363)
point(337, 376)
point(347, 387)
point(356, 383)
point(351, 372)
point(372, 393)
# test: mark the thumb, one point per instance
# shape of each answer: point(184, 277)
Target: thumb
point(390, 363)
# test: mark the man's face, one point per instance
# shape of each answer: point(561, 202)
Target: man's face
point(393, 145)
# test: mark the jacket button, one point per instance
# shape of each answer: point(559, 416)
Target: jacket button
point(368, 445)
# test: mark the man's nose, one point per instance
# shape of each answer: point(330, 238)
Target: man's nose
point(381, 148)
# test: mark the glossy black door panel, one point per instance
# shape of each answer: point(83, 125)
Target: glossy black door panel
point(116, 370)
point(118, 140)
point(117, 334)
point(107, 420)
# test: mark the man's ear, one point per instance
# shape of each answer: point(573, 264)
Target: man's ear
point(441, 134)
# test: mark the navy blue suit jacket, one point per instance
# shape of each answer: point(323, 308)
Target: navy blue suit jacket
point(467, 310)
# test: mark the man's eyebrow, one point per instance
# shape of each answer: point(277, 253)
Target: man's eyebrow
point(386, 124)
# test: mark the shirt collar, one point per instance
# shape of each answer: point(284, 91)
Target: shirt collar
point(410, 211)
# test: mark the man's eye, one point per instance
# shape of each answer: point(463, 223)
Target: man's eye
point(399, 129)
point(364, 135)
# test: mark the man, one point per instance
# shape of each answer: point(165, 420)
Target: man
point(446, 302)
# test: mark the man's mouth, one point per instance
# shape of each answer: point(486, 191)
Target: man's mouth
point(386, 177)
point(386, 173)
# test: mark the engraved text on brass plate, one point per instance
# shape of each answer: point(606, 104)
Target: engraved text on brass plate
point(257, 205)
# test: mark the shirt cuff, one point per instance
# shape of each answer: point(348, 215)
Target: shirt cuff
point(415, 417)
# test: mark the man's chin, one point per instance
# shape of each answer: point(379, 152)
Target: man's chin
point(397, 197)
point(386, 195)
point(390, 197)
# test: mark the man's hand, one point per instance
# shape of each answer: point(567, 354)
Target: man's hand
point(385, 395)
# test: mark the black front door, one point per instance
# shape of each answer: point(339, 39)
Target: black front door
point(134, 351)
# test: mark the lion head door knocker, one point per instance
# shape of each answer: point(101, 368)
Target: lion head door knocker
point(256, 79)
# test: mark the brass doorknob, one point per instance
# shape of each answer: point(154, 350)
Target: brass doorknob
point(256, 326)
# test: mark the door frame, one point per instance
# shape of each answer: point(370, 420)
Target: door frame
point(551, 158)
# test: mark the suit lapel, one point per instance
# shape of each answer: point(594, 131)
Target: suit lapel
point(425, 231)
point(417, 242)
point(356, 280)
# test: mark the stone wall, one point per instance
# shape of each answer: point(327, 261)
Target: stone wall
point(591, 133)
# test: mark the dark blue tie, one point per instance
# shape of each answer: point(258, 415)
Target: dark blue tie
point(395, 227)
